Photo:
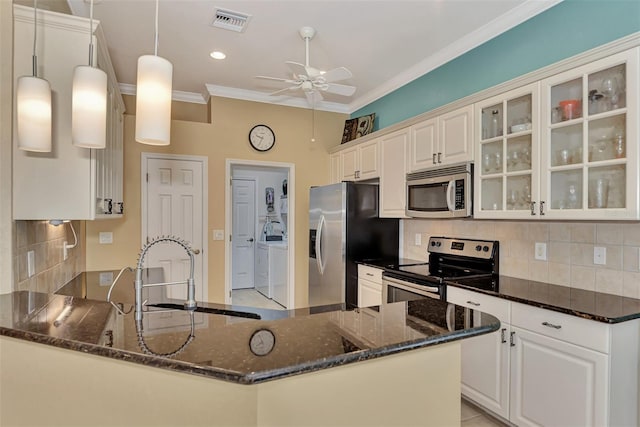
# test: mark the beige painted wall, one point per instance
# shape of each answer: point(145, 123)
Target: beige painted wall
point(225, 137)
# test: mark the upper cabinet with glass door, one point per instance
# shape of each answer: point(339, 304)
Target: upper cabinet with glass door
point(506, 169)
point(589, 141)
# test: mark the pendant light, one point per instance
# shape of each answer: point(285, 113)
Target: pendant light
point(89, 101)
point(153, 97)
point(33, 105)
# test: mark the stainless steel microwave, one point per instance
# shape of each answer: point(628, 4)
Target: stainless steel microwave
point(444, 192)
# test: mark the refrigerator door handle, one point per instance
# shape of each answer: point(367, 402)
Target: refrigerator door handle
point(451, 205)
point(319, 257)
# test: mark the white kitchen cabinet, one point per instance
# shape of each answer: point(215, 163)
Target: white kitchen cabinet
point(360, 162)
point(443, 140)
point(545, 368)
point(335, 174)
point(393, 174)
point(507, 170)
point(485, 358)
point(589, 140)
point(576, 159)
point(69, 182)
point(369, 286)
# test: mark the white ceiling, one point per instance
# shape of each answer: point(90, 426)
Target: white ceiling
point(385, 44)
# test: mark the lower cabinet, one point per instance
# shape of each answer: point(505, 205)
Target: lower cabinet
point(544, 368)
point(369, 286)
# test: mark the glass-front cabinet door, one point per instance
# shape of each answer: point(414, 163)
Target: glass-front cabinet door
point(506, 167)
point(589, 141)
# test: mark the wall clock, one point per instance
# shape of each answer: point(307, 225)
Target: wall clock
point(262, 138)
point(262, 342)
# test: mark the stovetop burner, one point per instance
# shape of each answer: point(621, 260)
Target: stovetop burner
point(468, 261)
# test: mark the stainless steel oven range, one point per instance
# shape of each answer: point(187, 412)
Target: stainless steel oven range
point(467, 261)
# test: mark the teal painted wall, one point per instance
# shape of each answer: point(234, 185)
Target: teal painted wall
point(569, 28)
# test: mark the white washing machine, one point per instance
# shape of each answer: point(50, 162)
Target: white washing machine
point(271, 270)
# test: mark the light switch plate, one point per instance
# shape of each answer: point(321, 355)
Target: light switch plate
point(541, 251)
point(418, 239)
point(106, 278)
point(106, 237)
point(599, 255)
point(218, 234)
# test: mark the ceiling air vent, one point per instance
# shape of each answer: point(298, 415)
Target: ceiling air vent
point(229, 20)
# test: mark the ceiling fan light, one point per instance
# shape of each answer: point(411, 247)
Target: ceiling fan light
point(33, 101)
point(89, 107)
point(153, 100)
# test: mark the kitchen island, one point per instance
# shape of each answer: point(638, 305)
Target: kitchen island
point(397, 364)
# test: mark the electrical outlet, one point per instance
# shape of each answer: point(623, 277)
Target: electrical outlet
point(541, 251)
point(106, 237)
point(599, 255)
point(106, 278)
point(65, 251)
point(31, 263)
point(218, 234)
point(418, 239)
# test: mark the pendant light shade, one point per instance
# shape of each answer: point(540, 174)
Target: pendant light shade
point(89, 107)
point(33, 100)
point(153, 100)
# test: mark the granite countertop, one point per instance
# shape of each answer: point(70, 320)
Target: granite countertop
point(216, 340)
point(590, 305)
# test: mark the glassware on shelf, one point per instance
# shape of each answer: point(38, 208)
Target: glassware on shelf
point(618, 146)
point(526, 195)
point(512, 199)
point(598, 193)
point(572, 196)
point(498, 162)
point(611, 91)
point(570, 109)
point(494, 130)
point(564, 157)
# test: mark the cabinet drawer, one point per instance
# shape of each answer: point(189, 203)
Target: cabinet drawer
point(370, 273)
point(575, 330)
point(492, 305)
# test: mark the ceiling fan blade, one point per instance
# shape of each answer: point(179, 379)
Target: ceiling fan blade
point(313, 97)
point(339, 89)
point(277, 79)
point(337, 74)
point(297, 69)
point(278, 92)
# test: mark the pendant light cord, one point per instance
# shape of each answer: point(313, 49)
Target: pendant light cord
point(34, 58)
point(91, 34)
point(156, 40)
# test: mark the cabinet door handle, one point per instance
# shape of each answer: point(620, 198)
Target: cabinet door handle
point(369, 274)
point(512, 341)
point(120, 207)
point(551, 325)
point(434, 158)
point(503, 335)
point(477, 304)
point(439, 157)
point(108, 206)
point(542, 208)
point(533, 208)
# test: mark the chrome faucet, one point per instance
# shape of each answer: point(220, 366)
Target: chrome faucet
point(190, 303)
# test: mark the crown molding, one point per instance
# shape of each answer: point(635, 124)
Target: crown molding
point(176, 95)
point(513, 18)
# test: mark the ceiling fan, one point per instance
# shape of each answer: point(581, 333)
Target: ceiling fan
point(311, 80)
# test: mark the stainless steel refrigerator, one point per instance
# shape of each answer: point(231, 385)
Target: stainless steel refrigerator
point(344, 228)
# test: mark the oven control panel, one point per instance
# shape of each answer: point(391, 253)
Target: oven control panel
point(484, 249)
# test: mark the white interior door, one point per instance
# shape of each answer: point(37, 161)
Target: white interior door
point(243, 233)
point(174, 207)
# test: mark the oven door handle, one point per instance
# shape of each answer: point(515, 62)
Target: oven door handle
point(428, 291)
point(319, 256)
point(450, 202)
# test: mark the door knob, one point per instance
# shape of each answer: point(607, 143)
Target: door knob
point(196, 251)
point(250, 240)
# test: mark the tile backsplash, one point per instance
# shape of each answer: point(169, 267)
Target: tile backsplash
point(46, 241)
point(570, 250)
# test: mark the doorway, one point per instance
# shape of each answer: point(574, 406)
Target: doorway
point(174, 203)
point(265, 246)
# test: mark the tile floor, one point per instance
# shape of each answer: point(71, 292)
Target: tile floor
point(472, 416)
point(252, 298)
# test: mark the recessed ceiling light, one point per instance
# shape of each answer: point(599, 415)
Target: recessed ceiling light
point(217, 55)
